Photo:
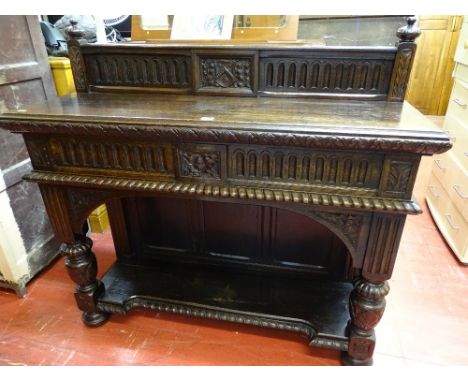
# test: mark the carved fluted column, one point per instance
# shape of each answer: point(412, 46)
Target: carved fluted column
point(82, 267)
point(366, 307)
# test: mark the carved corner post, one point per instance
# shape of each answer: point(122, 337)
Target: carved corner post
point(79, 259)
point(367, 300)
point(403, 60)
point(74, 41)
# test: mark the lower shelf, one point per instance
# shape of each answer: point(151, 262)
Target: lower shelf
point(315, 308)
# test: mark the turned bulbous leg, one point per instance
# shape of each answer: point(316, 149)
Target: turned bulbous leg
point(366, 307)
point(82, 267)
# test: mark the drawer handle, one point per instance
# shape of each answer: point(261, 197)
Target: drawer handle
point(459, 103)
point(451, 223)
point(432, 191)
point(437, 162)
point(459, 192)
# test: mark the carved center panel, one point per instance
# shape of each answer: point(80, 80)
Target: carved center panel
point(200, 165)
point(202, 161)
point(225, 73)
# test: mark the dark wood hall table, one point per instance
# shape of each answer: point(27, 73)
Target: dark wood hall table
point(260, 184)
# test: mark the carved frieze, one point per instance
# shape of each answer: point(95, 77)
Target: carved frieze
point(139, 70)
point(317, 75)
point(98, 154)
point(309, 167)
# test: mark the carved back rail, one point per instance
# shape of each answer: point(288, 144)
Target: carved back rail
point(276, 69)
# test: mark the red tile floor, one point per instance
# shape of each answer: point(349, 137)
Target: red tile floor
point(425, 323)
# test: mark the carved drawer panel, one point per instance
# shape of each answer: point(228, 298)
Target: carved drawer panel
point(306, 167)
point(101, 155)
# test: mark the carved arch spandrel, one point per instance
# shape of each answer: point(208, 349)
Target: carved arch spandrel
point(350, 227)
point(84, 201)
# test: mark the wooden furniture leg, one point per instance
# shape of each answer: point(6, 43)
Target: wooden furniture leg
point(366, 307)
point(79, 259)
point(82, 267)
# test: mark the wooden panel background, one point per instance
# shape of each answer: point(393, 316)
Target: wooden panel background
point(431, 77)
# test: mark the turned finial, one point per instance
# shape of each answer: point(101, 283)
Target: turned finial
point(410, 31)
point(73, 31)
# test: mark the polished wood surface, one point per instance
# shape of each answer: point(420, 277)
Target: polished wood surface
point(263, 114)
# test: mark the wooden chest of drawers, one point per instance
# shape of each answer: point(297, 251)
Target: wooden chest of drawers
point(447, 195)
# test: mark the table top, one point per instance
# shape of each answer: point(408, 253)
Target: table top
point(279, 113)
point(254, 114)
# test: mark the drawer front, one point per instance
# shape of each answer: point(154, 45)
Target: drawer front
point(450, 222)
point(456, 228)
point(436, 194)
point(458, 104)
point(443, 167)
point(461, 54)
point(248, 164)
point(460, 72)
point(459, 133)
point(453, 179)
point(458, 191)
